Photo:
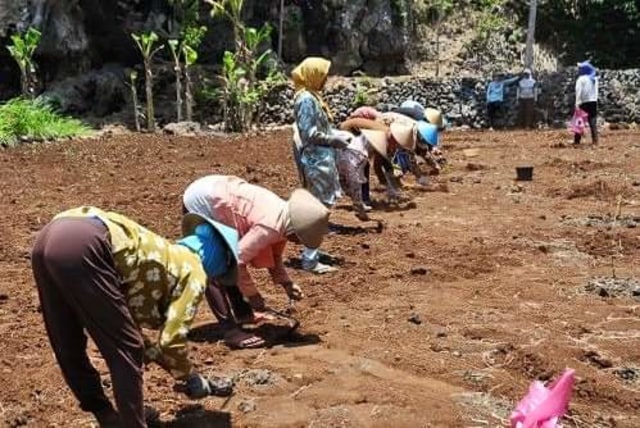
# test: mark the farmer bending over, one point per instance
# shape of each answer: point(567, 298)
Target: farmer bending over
point(265, 222)
point(102, 272)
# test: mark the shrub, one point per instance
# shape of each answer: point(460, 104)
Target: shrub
point(34, 119)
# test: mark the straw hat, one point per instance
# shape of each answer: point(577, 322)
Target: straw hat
point(434, 117)
point(378, 140)
point(309, 218)
point(229, 236)
point(405, 135)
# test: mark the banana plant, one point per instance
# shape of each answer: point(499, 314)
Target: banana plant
point(176, 48)
point(146, 44)
point(22, 49)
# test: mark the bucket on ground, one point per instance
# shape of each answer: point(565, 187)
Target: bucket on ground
point(524, 173)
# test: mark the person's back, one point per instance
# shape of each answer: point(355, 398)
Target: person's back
point(233, 202)
point(586, 89)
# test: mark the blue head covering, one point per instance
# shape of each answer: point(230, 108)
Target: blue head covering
point(210, 247)
point(428, 133)
point(586, 69)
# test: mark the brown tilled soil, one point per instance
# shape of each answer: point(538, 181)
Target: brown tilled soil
point(489, 270)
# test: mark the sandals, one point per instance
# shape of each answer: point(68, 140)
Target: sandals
point(238, 339)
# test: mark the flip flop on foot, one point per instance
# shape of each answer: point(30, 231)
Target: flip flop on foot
point(238, 339)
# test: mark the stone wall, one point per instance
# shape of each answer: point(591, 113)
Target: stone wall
point(463, 100)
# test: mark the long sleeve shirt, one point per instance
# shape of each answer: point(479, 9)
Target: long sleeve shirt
point(260, 216)
point(586, 90)
point(163, 284)
point(495, 90)
point(317, 149)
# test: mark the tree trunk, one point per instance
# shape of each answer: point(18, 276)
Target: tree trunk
point(178, 71)
point(148, 81)
point(533, 6)
point(188, 94)
point(281, 30)
point(438, 50)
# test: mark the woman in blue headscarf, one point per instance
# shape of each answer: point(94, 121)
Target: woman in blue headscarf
point(587, 97)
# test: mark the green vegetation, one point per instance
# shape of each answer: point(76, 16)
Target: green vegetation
point(605, 31)
point(35, 120)
point(242, 90)
point(146, 45)
point(22, 49)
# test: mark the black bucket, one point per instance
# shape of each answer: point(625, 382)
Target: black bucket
point(525, 173)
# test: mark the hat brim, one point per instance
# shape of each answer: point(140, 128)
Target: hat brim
point(434, 117)
point(404, 135)
point(229, 236)
point(426, 135)
point(298, 203)
point(378, 140)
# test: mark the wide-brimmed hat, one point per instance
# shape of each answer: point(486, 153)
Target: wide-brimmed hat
point(434, 117)
point(229, 236)
point(378, 140)
point(428, 133)
point(309, 218)
point(404, 134)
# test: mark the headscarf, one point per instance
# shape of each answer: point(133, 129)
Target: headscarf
point(210, 247)
point(586, 69)
point(310, 75)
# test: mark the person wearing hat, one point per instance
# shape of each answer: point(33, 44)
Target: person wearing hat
point(265, 223)
point(352, 166)
point(103, 273)
point(418, 112)
point(587, 98)
point(495, 96)
point(396, 136)
point(422, 143)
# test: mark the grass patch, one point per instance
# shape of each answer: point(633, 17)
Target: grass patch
point(35, 120)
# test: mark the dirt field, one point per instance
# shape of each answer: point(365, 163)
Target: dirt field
point(494, 273)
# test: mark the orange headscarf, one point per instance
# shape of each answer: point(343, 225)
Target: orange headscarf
point(310, 75)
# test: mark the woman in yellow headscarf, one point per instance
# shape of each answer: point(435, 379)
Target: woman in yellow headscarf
point(315, 143)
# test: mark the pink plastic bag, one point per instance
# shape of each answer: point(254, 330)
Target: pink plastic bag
point(578, 122)
point(543, 406)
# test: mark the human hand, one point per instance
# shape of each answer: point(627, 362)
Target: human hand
point(293, 290)
point(197, 386)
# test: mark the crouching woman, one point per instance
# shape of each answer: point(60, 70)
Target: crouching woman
point(102, 272)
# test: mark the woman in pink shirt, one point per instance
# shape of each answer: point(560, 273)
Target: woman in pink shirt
point(264, 223)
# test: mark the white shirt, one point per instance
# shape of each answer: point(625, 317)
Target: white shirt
point(527, 88)
point(586, 90)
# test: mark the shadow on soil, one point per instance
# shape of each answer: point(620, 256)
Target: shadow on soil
point(196, 417)
point(274, 335)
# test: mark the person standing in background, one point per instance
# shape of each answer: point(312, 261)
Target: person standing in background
point(495, 96)
point(587, 98)
point(527, 99)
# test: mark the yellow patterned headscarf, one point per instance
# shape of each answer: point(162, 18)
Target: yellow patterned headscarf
point(310, 75)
